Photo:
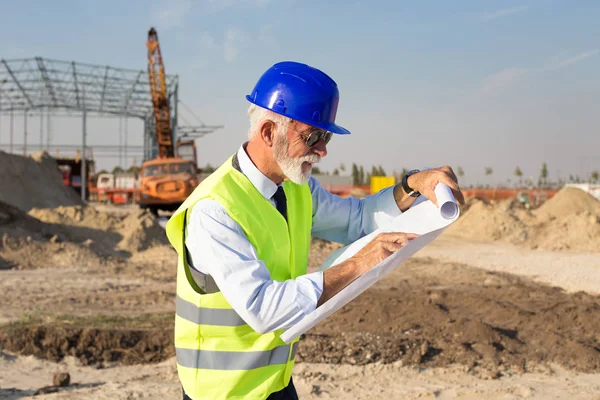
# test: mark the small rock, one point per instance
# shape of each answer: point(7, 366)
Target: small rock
point(55, 239)
point(424, 348)
point(316, 390)
point(62, 379)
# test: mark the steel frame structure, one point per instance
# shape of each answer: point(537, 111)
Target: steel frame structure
point(35, 85)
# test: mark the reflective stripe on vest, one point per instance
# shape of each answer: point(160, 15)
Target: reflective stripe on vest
point(207, 316)
point(235, 360)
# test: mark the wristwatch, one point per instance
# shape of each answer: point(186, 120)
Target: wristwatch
point(411, 192)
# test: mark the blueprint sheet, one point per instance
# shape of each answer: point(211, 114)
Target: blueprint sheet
point(423, 218)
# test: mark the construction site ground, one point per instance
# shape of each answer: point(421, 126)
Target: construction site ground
point(496, 308)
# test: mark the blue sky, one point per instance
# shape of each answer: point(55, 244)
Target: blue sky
point(469, 83)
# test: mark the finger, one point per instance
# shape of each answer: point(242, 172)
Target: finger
point(452, 184)
point(391, 236)
point(452, 175)
point(411, 236)
point(392, 247)
point(396, 237)
point(458, 195)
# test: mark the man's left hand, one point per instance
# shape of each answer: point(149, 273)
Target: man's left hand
point(425, 182)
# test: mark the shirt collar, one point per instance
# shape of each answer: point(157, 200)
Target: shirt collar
point(264, 185)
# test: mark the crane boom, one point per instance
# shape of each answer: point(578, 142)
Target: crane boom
point(160, 103)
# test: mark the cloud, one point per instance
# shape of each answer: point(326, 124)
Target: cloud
point(171, 13)
point(509, 77)
point(505, 12)
point(572, 60)
point(503, 80)
point(234, 38)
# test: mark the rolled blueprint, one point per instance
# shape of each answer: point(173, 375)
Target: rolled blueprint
point(423, 218)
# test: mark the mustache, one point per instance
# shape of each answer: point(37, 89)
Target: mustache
point(312, 158)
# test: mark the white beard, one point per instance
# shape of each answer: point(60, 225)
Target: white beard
point(292, 167)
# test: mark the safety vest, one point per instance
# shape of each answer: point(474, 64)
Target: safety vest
point(219, 356)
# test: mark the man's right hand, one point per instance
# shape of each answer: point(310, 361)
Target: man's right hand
point(380, 248)
point(384, 245)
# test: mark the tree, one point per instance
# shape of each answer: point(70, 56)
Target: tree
point(134, 169)
point(595, 176)
point(342, 167)
point(381, 171)
point(519, 174)
point(355, 174)
point(361, 175)
point(460, 172)
point(102, 172)
point(543, 175)
point(374, 171)
point(336, 172)
point(117, 170)
point(316, 170)
point(368, 179)
point(489, 171)
point(207, 169)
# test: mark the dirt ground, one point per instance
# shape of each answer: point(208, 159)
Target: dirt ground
point(91, 292)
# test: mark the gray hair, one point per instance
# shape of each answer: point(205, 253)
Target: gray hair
point(258, 115)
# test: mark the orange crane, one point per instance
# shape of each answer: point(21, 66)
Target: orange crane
point(158, 89)
point(167, 180)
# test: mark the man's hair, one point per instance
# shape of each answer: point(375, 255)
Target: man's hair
point(258, 115)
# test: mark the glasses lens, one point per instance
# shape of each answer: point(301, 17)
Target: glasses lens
point(315, 136)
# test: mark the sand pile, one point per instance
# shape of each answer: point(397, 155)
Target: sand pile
point(106, 232)
point(141, 231)
point(72, 236)
point(568, 221)
point(28, 243)
point(569, 201)
point(485, 221)
point(28, 182)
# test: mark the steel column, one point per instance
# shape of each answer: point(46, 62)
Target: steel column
point(83, 159)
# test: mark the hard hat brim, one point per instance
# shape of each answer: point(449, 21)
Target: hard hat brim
point(331, 127)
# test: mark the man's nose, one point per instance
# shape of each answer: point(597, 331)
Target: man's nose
point(320, 148)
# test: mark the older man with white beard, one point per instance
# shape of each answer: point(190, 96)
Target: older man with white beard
point(243, 239)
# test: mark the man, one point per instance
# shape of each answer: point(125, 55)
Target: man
point(243, 239)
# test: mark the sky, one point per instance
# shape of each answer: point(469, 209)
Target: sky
point(473, 84)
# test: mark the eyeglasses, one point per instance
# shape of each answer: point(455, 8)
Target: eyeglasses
point(314, 136)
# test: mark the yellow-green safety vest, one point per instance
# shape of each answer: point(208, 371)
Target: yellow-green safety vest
point(219, 356)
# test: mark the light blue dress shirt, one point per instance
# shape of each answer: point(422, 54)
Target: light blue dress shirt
point(219, 247)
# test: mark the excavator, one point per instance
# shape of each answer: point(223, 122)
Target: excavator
point(169, 179)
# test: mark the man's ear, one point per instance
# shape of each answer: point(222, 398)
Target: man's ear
point(267, 132)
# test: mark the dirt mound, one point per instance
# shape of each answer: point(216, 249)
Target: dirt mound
point(29, 243)
point(569, 201)
point(73, 236)
point(465, 315)
point(28, 182)
point(568, 221)
point(487, 221)
point(90, 345)
point(106, 233)
point(141, 231)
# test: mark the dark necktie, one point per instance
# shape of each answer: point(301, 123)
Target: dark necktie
point(280, 202)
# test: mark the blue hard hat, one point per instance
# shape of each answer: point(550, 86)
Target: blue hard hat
point(300, 92)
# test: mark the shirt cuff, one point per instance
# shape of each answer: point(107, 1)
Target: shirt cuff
point(310, 288)
point(386, 204)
